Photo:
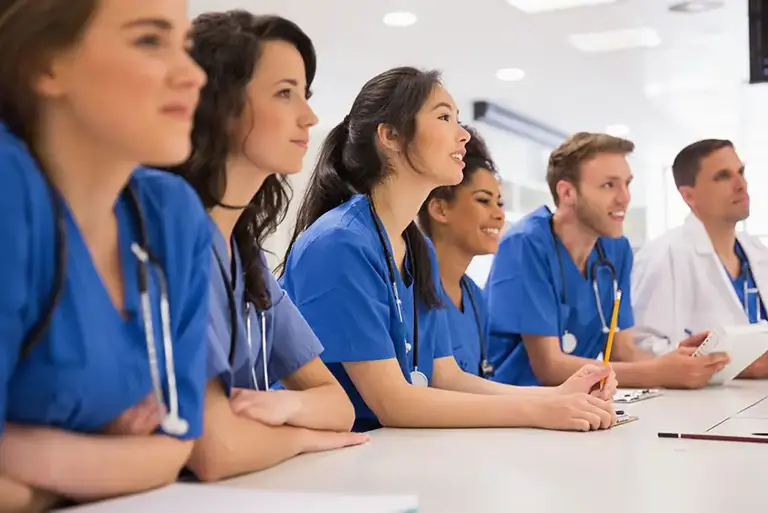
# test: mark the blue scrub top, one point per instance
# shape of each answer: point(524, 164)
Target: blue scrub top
point(337, 275)
point(290, 341)
point(463, 325)
point(525, 289)
point(91, 364)
point(753, 299)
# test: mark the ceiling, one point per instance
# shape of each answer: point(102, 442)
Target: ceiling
point(691, 85)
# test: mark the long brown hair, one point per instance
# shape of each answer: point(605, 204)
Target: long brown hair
point(31, 31)
point(228, 45)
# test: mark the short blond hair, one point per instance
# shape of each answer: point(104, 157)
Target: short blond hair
point(565, 162)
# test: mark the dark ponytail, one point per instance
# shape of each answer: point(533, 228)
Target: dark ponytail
point(350, 161)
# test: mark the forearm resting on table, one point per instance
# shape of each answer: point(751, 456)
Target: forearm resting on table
point(16, 497)
point(416, 407)
point(89, 467)
point(324, 403)
point(447, 375)
point(325, 408)
point(232, 445)
point(634, 367)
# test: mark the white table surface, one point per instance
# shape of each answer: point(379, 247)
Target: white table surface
point(199, 498)
point(624, 470)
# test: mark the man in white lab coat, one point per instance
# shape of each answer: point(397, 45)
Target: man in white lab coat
point(702, 274)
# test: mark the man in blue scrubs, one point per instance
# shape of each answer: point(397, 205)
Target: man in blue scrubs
point(702, 274)
point(553, 282)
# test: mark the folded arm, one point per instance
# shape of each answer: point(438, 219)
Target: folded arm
point(232, 445)
point(89, 467)
point(324, 404)
point(19, 498)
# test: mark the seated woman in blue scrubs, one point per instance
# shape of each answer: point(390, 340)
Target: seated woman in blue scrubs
point(251, 132)
point(105, 265)
point(366, 280)
point(553, 282)
point(464, 221)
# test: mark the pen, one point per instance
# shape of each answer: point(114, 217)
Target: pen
point(717, 438)
point(688, 332)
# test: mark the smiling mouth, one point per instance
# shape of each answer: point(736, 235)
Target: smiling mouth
point(618, 215)
point(491, 232)
point(457, 156)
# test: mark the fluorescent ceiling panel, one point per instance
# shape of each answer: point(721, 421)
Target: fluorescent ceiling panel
point(614, 40)
point(537, 6)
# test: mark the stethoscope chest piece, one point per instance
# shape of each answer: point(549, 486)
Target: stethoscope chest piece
point(174, 425)
point(569, 342)
point(487, 369)
point(419, 379)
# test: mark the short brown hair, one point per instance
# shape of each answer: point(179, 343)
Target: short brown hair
point(30, 32)
point(687, 163)
point(565, 162)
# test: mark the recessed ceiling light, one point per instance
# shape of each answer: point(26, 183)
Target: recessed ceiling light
point(510, 74)
point(613, 40)
point(617, 130)
point(695, 6)
point(399, 19)
point(537, 6)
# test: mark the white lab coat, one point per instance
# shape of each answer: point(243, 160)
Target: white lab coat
point(679, 284)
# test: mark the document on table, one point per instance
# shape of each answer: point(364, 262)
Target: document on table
point(195, 497)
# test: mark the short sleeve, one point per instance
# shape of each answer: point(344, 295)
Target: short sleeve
point(14, 239)
point(441, 331)
point(340, 292)
point(521, 296)
point(442, 334)
point(219, 330)
point(626, 318)
point(294, 344)
point(192, 325)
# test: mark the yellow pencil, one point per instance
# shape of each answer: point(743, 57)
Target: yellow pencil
point(612, 330)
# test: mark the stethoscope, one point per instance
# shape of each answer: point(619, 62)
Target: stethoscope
point(230, 286)
point(601, 261)
point(747, 274)
point(418, 378)
point(172, 423)
point(486, 368)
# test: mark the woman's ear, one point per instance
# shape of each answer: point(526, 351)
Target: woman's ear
point(438, 210)
point(388, 137)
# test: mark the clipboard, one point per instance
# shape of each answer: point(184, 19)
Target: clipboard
point(635, 395)
point(623, 417)
point(744, 344)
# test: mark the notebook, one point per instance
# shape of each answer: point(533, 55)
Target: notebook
point(199, 498)
point(744, 344)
